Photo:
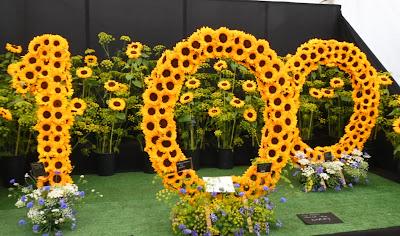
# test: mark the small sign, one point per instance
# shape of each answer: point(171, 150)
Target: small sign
point(319, 218)
point(222, 184)
point(328, 156)
point(184, 165)
point(264, 167)
point(37, 169)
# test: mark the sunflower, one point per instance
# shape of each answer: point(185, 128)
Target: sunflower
point(78, 106)
point(328, 93)
point(193, 83)
point(220, 65)
point(236, 102)
point(91, 60)
point(384, 80)
point(249, 86)
point(133, 50)
point(336, 82)
point(214, 111)
point(13, 48)
point(396, 125)
point(316, 93)
point(122, 88)
point(224, 85)
point(6, 114)
point(186, 97)
point(116, 104)
point(84, 72)
point(250, 114)
point(111, 85)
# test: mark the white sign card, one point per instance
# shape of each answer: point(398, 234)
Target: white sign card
point(221, 184)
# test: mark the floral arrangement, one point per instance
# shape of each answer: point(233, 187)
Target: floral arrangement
point(50, 209)
point(350, 169)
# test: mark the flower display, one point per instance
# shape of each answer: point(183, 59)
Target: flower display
point(44, 72)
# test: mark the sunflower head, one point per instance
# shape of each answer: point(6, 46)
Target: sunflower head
point(396, 125)
point(249, 86)
point(250, 114)
point(84, 72)
point(134, 50)
point(316, 93)
point(91, 60)
point(192, 83)
point(13, 48)
point(220, 65)
point(112, 85)
point(214, 111)
point(186, 98)
point(384, 79)
point(336, 82)
point(224, 85)
point(236, 102)
point(328, 93)
point(116, 104)
point(6, 114)
point(78, 106)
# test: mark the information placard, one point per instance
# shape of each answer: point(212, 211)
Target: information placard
point(319, 218)
point(37, 169)
point(184, 165)
point(222, 184)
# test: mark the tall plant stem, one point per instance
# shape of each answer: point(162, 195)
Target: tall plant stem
point(310, 125)
point(111, 137)
point(18, 139)
point(233, 133)
point(29, 142)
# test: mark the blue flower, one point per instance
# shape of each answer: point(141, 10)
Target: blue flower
point(58, 233)
point(270, 206)
point(257, 229)
point(12, 181)
point(41, 201)
point(187, 231)
point(319, 170)
point(223, 213)
point(213, 217)
point(350, 185)
point(242, 211)
point(22, 222)
point(199, 188)
point(207, 233)
point(35, 228)
point(73, 226)
point(256, 201)
point(265, 188)
point(182, 226)
point(279, 223)
point(24, 198)
point(46, 188)
point(182, 190)
point(194, 233)
point(266, 199)
point(283, 200)
point(63, 205)
point(240, 232)
point(236, 185)
point(241, 194)
point(82, 193)
point(214, 194)
point(29, 205)
point(338, 188)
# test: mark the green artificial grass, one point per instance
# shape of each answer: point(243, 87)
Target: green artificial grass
point(129, 207)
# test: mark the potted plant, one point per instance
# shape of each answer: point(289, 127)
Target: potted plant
point(17, 117)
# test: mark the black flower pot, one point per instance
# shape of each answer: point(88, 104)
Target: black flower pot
point(147, 167)
point(225, 159)
point(209, 157)
point(105, 163)
point(195, 155)
point(14, 167)
point(244, 154)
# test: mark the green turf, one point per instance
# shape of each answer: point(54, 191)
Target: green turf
point(129, 207)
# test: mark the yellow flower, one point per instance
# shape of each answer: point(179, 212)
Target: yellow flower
point(236, 102)
point(220, 65)
point(6, 114)
point(186, 97)
point(134, 50)
point(218, 133)
point(396, 125)
point(91, 60)
point(250, 114)
point(122, 88)
point(336, 82)
point(116, 104)
point(13, 48)
point(328, 93)
point(224, 85)
point(193, 83)
point(384, 80)
point(78, 106)
point(111, 85)
point(84, 72)
point(214, 111)
point(316, 93)
point(249, 86)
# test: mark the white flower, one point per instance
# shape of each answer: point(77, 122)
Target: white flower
point(56, 222)
point(19, 203)
point(9, 195)
point(41, 212)
point(82, 176)
point(300, 154)
point(303, 162)
point(356, 152)
point(308, 171)
point(101, 195)
point(55, 193)
point(93, 190)
point(324, 176)
point(26, 175)
point(55, 210)
point(16, 184)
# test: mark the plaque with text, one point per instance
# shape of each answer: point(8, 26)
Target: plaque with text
point(319, 218)
point(184, 165)
point(37, 169)
point(328, 156)
point(264, 167)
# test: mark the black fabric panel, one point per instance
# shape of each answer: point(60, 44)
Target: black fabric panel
point(11, 26)
point(151, 22)
point(289, 24)
point(248, 16)
point(347, 33)
point(63, 17)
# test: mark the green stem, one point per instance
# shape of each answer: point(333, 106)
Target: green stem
point(233, 133)
point(29, 142)
point(111, 137)
point(310, 125)
point(18, 139)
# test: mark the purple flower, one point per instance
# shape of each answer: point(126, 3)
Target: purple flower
point(182, 226)
point(240, 232)
point(223, 213)
point(319, 170)
point(22, 222)
point(214, 194)
point(207, 233)
point(29, 205)
point(256, 201)
point(24, 198)
point(279, 223)
point(73, 226)
point(187, 231)
point(199, 188)
point(194, 233)
point(270, 206)
point(350, 185)
point(283, 200)
point(58, 233)
point(267, 228)
point(338, 188)
point(41, 201)
point(242, 211)
point(46, 188)
point(82, 193)
point(12, 181)
point(265, 188)
point(257, 229)
point(241, 194)
point(35, 228)
point(236, 185)
point(182, 190)
point(213, 217)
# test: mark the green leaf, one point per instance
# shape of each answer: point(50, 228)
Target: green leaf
point(129, 76)
point(137, 83)
point(120, 115)
point(185, 118)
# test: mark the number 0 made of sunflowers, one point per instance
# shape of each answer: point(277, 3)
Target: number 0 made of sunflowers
point(44, 73)
point(275, 87)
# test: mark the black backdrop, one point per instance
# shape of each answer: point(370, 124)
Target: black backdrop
point(284, 25)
